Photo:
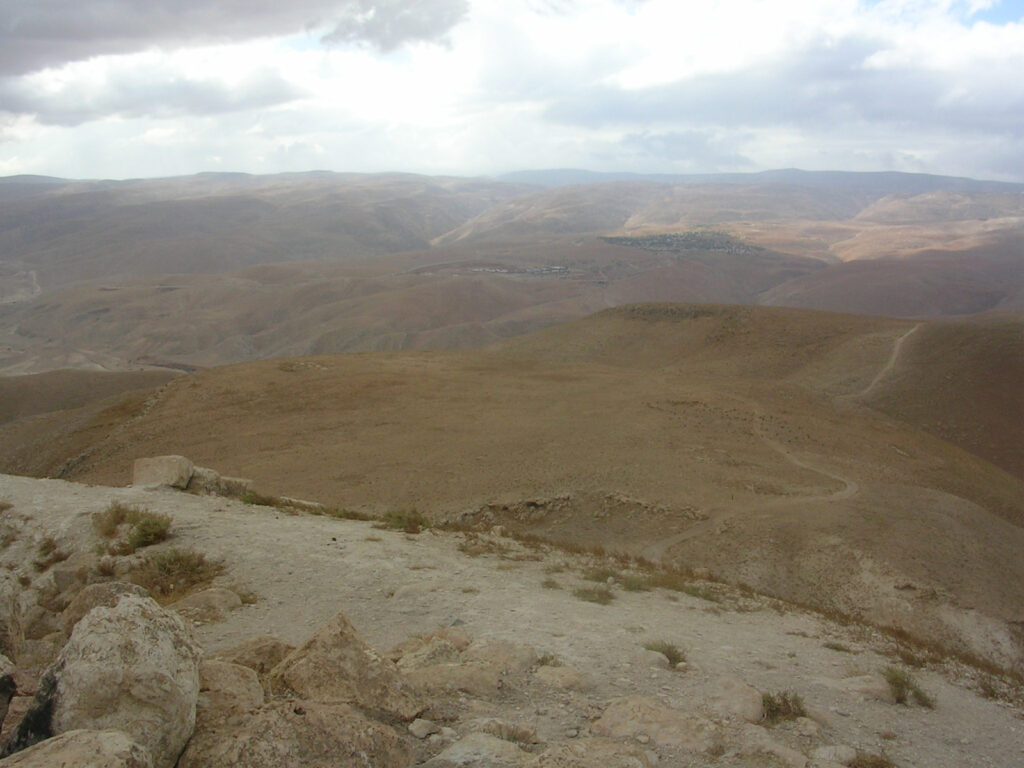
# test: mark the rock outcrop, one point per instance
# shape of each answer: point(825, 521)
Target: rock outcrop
point(95, 749)
point(133, 667)
point(336, 667)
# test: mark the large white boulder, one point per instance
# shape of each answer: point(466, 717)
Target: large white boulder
point(133, 667)
point(95, 749)
point(175, 471)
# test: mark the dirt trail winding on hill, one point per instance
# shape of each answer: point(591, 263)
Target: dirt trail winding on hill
point(656, 552)
point(890, 363)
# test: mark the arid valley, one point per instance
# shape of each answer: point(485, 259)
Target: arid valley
point(630, 471)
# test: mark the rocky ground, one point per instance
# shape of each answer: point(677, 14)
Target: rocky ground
point(449, 649)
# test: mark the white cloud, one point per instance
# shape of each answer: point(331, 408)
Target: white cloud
point(443, 86)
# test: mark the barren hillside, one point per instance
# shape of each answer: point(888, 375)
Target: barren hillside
point(742, 440)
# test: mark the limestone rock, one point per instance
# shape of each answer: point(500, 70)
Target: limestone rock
point(133, 667)
point(227, 690)
point(228, 694)
point(757, 740)
point(457, 636)
point(503, 729)
point(209, 605)
point(95, 595)
point(474, 678)
point(421, 728)
point(93, 749)
point(590, 752)
point(870, 687)
point(559, 677)
point(261, 653)
point(174, 471)
point(205, 480)
point(436, 650)
point(731, 697)
point(509, 657)
point(836, 753)
point(631, 716)
point(12, 634)
point(479, 750)
point(307, 734)
point(6, 665)
point(335, 666)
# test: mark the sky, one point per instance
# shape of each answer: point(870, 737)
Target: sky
point(144, 88)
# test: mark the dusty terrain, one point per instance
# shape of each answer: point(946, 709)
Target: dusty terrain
point(766, 445)
point(304, 569)
point(220, 268)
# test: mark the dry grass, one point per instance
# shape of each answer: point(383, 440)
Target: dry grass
point(669, 650)
point(600, 594)
point(784, 705)
point(904, 686)
point(838, 647)
point(550, 583)
point(175, 573)
point(48, 553)
point(407, 520)
point(145, 528)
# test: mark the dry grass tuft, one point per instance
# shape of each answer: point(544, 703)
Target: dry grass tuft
point(600, 594)
point(407, 520)
point(48, 553)
point(669, 650)
point(146, 528)
point(784, 705)
point(175, 573)
point(903, 683)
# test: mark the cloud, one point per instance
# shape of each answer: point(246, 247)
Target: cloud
point(35, 34)
point(831, 85)
point(682, 151)
point(387, 24)
point(151, 88)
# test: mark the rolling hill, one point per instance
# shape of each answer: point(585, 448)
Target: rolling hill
point(786, 449)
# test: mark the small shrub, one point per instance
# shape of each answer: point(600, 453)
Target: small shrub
point(784, 705)
point(600, 574)
point(632, 582)
point(113, 517)
point(668, 650)
point(48, 553)
point(548, 660)
point(902, 683)
point(170, 575)
point(147, 527)
point(150, 529)
point(5, 505)
point(550, 583)
point(260, 499)
point(838, 647)
point(409, 521)
point(346, 514)
point(600, 595)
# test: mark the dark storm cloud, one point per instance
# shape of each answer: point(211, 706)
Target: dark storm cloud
point(142, 94)
point(39, 33)
point(828, 86)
